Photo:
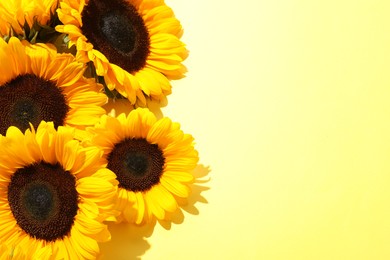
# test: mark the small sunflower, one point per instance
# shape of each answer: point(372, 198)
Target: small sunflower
point(152, 160)
point(133, 44)
point(37, 83)
point(54, 194)
point(15, 14)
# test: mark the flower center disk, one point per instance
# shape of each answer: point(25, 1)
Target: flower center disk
point(43, 200)
point(30, 99)
point(117, 30)
point(120, 36)
point(137, 164)
point(39, 200)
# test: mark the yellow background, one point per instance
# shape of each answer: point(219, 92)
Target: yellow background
point(289, 102)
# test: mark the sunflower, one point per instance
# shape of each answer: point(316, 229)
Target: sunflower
point(38, 84)
point(54, 194)
point(133, 44)
point(17, 14)
point(152, 160)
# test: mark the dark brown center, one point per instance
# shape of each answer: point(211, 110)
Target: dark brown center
point(117, 30)
point(30, 99)
point(43, 200)
point(137, 164)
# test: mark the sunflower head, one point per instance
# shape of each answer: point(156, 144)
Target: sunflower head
point(55, 194)
point(152, 160)
point(37, 83)
point(134, 45)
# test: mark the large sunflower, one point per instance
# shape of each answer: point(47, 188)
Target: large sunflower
point(16, 14)
point(54, 194)
point(38, 84)
point(133, 44)
point(152, 160)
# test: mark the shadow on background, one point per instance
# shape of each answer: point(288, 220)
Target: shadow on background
point(127, 242)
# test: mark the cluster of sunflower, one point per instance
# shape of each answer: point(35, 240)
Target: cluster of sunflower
point(67, 165)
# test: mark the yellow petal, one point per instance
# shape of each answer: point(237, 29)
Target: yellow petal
point(175, 187)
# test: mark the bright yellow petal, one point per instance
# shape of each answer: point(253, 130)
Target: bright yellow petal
point(175, 187)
